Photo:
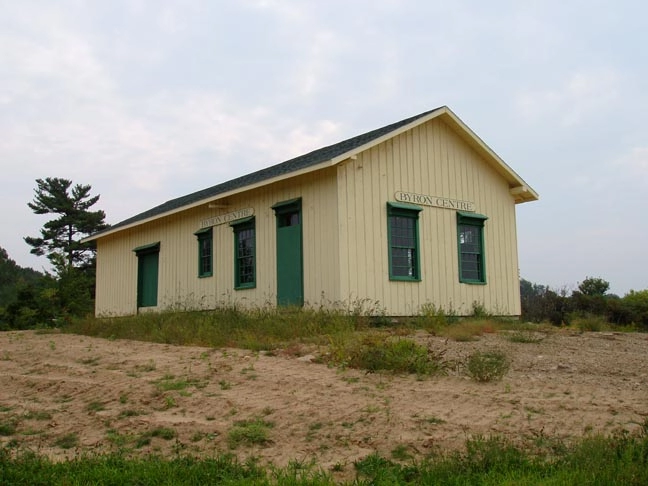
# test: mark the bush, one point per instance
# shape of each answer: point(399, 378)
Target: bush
point(378, 352)
point(487, 366)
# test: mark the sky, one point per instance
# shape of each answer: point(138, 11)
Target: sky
point(147, 100)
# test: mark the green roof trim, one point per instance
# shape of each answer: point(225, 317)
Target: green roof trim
point(461, 215)
point(237, 222)
point(286, 206)
point(298, 163)
point(406, 206)
point(150, 248)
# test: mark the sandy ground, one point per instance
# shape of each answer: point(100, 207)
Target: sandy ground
point(110, 394)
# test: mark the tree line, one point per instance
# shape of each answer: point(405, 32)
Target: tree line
point(560, 307)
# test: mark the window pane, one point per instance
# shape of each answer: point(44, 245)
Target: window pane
point(470, 248)
point(403, 246)
point(205, 254)
point(245, 258)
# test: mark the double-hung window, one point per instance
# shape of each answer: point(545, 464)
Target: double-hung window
point(205, 252)
point(244, 253)
point(403, 241)
point(470, 235)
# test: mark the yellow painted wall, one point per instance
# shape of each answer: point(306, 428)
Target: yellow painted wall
point(345, 244)
point(429, 159)
point(178, 283)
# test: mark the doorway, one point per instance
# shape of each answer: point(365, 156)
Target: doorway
point(290, 276)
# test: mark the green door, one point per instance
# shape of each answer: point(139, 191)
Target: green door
point(147, 277)
point(290, 277)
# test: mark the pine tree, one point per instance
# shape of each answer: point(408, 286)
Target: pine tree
point(61, 237)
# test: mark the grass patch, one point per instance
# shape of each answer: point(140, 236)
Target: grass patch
point(271, 328)
point(67, 441)
point(401, 453)
point(95, 407)
point(7, 428)
point(487, 366)
point(249, 432)
point(129, 413)
point(257, 329)
point(589, 323)
point(164, 433)
point(146, 367)
point(470, 329)
point(37, 415)
point(621, 459)
point(526, 337)
point(433, 420)
point(377, 351)
point(170, 383)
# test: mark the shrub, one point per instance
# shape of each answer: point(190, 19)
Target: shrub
point(379, 352)
point(487, 366)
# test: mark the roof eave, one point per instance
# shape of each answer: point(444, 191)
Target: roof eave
point(207, 200)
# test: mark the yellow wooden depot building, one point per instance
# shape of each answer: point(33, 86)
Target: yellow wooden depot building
point(418, 212)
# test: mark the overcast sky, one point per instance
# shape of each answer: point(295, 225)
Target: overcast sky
point(150, 100)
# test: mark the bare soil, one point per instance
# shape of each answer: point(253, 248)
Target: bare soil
point(111, 394)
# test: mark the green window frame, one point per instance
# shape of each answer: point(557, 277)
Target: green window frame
point(470, 245)
point(205, 252)
point(244, 253)
point(403, 241)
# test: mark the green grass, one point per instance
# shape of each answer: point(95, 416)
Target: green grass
point(164, 433)
point(171, 383)
point(378, 351)
point(7, 427)
point(249, 432)
point(67, 441)
point(95, 407)
point(618, 460)
point(526, 337)
point(257, 329)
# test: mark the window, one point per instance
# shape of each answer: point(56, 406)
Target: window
point(244, 253)
point(402, 233)
point(470, 235)
point(205, 252)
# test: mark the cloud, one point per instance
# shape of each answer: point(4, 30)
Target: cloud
point(582, 94)
point(635, 162)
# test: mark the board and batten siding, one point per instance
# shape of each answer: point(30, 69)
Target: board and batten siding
point(429, 159)
point(178, 283)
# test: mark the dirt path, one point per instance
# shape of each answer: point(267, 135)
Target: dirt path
point(114, 394)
